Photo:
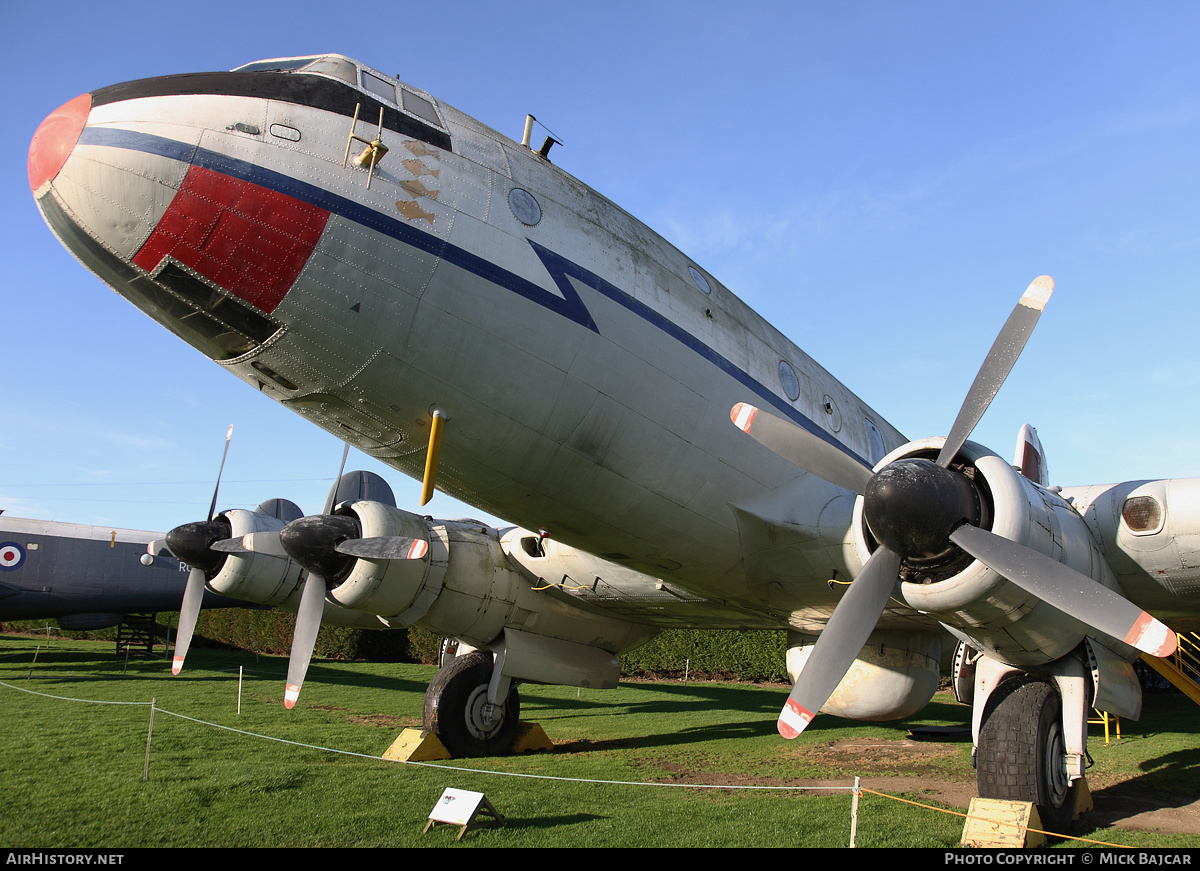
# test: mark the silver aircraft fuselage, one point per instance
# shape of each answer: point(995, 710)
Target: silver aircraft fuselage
point(585, 367)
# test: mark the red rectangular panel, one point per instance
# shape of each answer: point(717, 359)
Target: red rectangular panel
point(250, 240)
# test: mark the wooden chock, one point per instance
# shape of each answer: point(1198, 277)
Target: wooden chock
point(993, 822)
point(530, 737)
point(415, 745)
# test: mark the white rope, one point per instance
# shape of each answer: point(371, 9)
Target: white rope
point(431, 764)
point(67, 698)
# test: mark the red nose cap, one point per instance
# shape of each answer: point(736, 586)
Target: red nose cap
point(55, 140)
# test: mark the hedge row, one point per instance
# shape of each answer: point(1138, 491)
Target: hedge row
point(721, 654)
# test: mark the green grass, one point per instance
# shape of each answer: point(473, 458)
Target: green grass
point(73, 769)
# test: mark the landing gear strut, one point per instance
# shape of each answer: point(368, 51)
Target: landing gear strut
point(457, 709)
point(1022, 753)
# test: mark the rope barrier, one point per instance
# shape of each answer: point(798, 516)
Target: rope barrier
point(67, 698)
point(855, 789)
point(458, 768)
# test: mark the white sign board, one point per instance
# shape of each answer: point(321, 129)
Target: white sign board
point(456, 806)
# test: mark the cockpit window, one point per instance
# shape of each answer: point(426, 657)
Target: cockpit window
point(420, 107)
point(281, 65)
point(330, 66)
point(334, 67)
point(347, 70)
point(380, 88)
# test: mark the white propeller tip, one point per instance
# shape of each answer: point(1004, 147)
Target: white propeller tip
point(177, 665)
point(419, 548)
point(793, 719)
point(1150, 636)
point(743, 416)
point(1038, 293)
point(290, 695)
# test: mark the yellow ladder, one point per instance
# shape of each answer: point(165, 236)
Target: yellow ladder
point(1182, 668)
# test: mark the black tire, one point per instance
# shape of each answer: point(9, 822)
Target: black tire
point(452, 708)
point(1022, 753)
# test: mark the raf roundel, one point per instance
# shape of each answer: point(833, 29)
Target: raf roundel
point(11, 556)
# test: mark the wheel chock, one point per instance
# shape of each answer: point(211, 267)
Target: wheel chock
point(415, 745)
point(529, 737)
point(1083, 799)
point(994, 822)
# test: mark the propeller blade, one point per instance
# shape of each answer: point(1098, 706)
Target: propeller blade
point(212, 508)
point(840, 643)
point(801, 448)
point(193, 593)
point(229, 545)
point(191, 543)
point(1069, 591)
point(384, 547)
point(304, 638)
point(158, 547)
point(331, 499)
point(255, 542)
point(998, 364)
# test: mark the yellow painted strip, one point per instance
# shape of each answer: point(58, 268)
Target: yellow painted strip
point(431, 458)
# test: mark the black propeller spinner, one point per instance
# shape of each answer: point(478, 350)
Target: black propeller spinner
point(912, 506)
point(312, 541)
point(192, 543)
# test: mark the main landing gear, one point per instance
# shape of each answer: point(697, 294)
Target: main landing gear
point(458, 712)
point(1022, 755)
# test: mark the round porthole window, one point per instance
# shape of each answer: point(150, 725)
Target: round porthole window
point(831, 409)
point(524, 206)
point(700, 280)
point(788, 380)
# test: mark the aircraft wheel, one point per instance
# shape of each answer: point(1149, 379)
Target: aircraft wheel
point(1022, 753)
point(454, 708)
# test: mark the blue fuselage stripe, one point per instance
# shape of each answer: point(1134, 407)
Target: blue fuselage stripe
point(569, 305)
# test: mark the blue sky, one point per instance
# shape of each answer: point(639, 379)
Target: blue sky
point(879, 180)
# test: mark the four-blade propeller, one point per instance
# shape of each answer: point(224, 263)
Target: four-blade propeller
point(919, 509)
point(326, 546)
point(191, 544)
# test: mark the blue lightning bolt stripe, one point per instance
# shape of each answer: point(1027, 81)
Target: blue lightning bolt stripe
point(569, 305)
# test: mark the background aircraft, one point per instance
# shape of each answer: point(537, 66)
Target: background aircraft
point(86, 577)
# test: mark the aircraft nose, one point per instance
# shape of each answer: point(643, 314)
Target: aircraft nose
point(55, 140)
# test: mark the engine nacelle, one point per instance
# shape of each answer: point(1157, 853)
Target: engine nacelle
point(390, 587)
point(272, 580)
point(974, 602)
point(467, 587)
point(894, 676)
point(255, 577)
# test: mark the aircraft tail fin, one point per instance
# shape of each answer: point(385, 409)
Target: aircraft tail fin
point(1030, 458)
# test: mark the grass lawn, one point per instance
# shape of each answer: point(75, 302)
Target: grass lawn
point(623, 773)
